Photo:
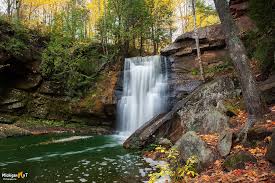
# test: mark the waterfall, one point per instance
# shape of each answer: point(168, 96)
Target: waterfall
point(144, 92)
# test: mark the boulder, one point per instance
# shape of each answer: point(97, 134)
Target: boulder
point(203, 112)
point(225, 142)
point(190, 144)
point(270, 154)
point(238, 160)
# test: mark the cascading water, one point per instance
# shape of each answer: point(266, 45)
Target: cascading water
point(144, 92)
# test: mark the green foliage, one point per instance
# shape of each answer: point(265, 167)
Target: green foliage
point(234, 105)
point(220, 68)
point(262, 13)
point(174, 168)
point(14, 46)
point(136, 23)
point(260, 47)
point(73, 62)
point(260, 43)
point(195, 71)
point(16, 38)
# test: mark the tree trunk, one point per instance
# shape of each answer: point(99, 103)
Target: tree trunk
point(18, 9)
point(9, 8)
point(254, 105)
point(197, 40)
point(181, 19)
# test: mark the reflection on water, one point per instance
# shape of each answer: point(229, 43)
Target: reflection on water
point(63, 158)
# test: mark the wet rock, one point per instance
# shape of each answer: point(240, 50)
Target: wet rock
point(238, 160)
point(225, 143)
point(140, 138)
point(12, 131)
point(270, 154)
point(190, 145)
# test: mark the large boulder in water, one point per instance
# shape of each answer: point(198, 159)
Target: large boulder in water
point(201, 111)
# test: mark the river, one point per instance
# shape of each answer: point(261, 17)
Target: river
point(66, 158)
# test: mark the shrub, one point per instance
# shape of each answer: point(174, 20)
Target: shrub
point(174, 168)
point(15, 38)
point(72, 62)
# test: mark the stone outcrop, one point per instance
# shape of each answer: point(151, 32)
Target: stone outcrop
point(201, 111)
point(182, 52)
point(184, 66)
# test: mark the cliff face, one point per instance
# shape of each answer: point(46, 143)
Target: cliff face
point(215, 56)
point(25, 94)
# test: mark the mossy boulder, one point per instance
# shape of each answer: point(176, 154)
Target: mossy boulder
point(190, 145)
point(238, 160)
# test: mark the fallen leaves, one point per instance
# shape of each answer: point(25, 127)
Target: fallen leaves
point(210, 139)
point(258, 151)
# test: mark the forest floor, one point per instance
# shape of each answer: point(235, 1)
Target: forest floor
point(260, 171)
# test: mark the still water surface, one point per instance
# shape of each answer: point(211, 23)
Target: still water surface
point(67, 158)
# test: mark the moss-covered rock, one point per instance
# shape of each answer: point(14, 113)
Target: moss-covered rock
point(238, 160)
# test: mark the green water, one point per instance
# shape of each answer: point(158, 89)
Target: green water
point(50, 159)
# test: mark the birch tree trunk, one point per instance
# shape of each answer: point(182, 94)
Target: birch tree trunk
point(197, 40)
point(254, 105)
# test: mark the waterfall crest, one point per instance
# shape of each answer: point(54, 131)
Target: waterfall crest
point(144, 92)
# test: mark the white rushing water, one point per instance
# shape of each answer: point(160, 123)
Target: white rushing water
point(144, 92)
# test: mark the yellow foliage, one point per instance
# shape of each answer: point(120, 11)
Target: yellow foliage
point(202, 21)
point(174, 168)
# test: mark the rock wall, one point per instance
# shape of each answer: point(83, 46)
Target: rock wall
point(215, 57)
point(25, 93)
